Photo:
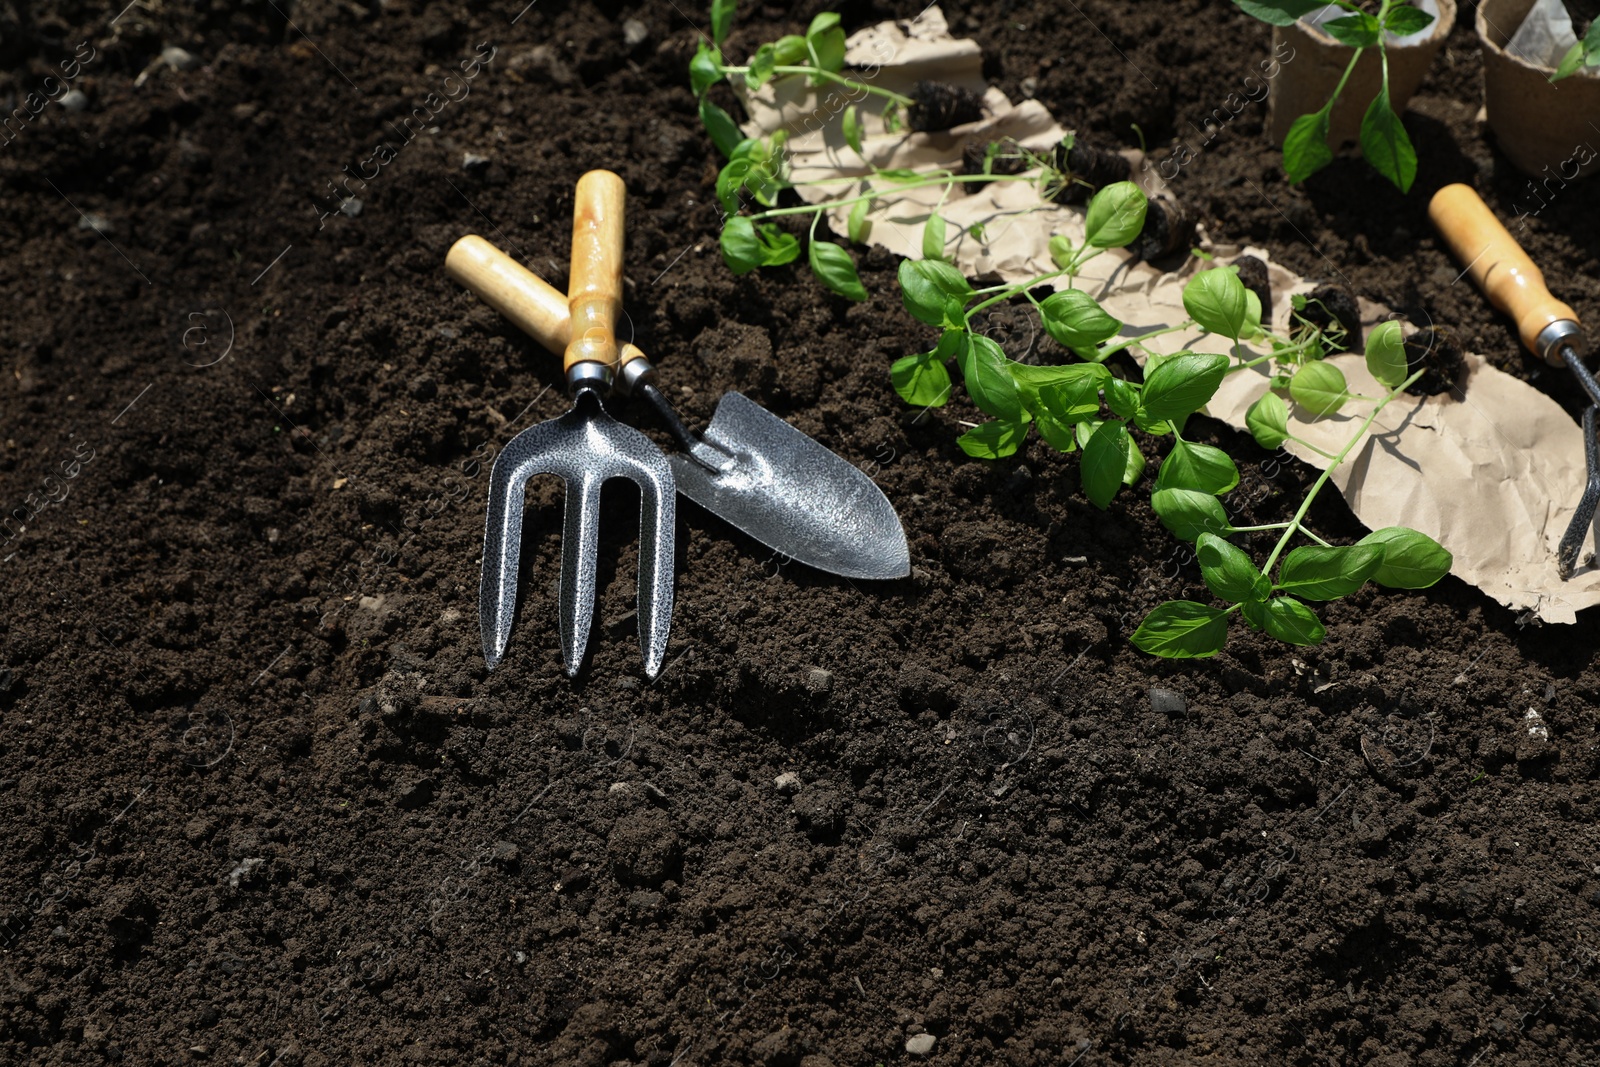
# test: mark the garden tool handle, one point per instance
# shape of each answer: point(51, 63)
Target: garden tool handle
point(1505, 273)
point(594, 291)
point(533, 305)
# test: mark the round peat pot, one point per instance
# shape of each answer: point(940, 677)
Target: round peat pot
point(1546, 130)
point(1313, 62)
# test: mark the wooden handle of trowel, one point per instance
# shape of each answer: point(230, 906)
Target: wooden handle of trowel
point(533, 305)
point(1498, 264)
point(594, 293)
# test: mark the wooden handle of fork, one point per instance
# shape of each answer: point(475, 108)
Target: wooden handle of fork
point(1511, 280)
point(533, 305)
point(594, 293)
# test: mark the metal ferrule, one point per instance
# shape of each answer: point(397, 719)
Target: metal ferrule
point(1559, 334)
point(636, 372)
point(588, 374)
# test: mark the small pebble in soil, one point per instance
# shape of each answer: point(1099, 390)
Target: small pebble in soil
point(74, 100)
point(819, 681)
point(351, 207)
point(634, 32)
point(940, 105)
point(788, 783)
point(1167, 702)
point(178, 58)
point(921, 1044)
point(472, 159)
point(97, 223)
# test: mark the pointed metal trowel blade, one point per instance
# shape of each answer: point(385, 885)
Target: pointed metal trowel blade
point(793, 495)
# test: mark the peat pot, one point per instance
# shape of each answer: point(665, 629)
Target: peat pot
point(1549, 131)
point(1318, 62)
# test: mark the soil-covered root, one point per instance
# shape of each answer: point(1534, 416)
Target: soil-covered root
point(1331, 304)
point(1168, 228)
point(1090, 168)
point(1437, 352)
point(940, 105)
point(1008, 159)
point(1253, 273)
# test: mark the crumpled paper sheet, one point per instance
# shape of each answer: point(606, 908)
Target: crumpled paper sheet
point(1493, 472)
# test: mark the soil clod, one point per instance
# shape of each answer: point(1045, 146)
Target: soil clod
point(1168, 228)
point(940, 105)
point(1332, 308)
point(1253, 273)
point(1435, 351)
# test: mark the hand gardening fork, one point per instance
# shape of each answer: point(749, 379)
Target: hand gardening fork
point(585, 447)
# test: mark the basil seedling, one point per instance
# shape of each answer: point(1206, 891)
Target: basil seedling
point(1384, 141)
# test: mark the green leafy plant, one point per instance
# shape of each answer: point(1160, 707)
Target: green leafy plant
point(1086, 406)
point(1384, 141)
point(1586, 53)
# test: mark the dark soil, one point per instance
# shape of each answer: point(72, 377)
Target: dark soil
point(262, 804)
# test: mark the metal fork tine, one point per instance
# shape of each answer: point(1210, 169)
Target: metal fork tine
point(502, 551)
point(1584, 518)
point(580, 552)
point(657, 522)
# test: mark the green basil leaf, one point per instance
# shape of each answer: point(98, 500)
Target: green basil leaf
point(1386, 144)
point(741, 248)
point(1091, 375)
point(1315, 573)
point(933, 238)
point(705, 69)
point(1182, 629)
point(1135, 468)
point(1228, 572)
point(1360, 30)
point(725, 133)
point(1386, 353)
point(1305, 149)
point(777, 247)
point(1121, 398)
point(1057, 435)
point(1196, 466)
point(836, 270)
point(1075, 319)
point(1291, 621)
point(1061, 251)
point(761, 65)
point(721, 19)
point(1268, 420)
point(994, 440)
point(859, 227)
point(789, 50)
point(1182, 384)
point(1279, 12)
point(934, 292)
point(1572, 62)
point(1105, 462)
point(852, 129)
point(988, 381)
point(1188, 513)
point(825, 44)
point(1406, 20)
point(1255, 613)
point(1218, 301)
point(1319, 388)
point(1411, 560)
point(1116, 215)
point(921, 380)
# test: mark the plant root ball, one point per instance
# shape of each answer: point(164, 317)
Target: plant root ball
point(1167, 229)
point(1253, 272)
point(1008, 160)
point(1091, 168)
point(1437, 353)
point(1331, 303)
point(940, 105)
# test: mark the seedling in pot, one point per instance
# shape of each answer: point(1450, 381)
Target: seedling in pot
point(1586, 53)
point(1384, 141)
